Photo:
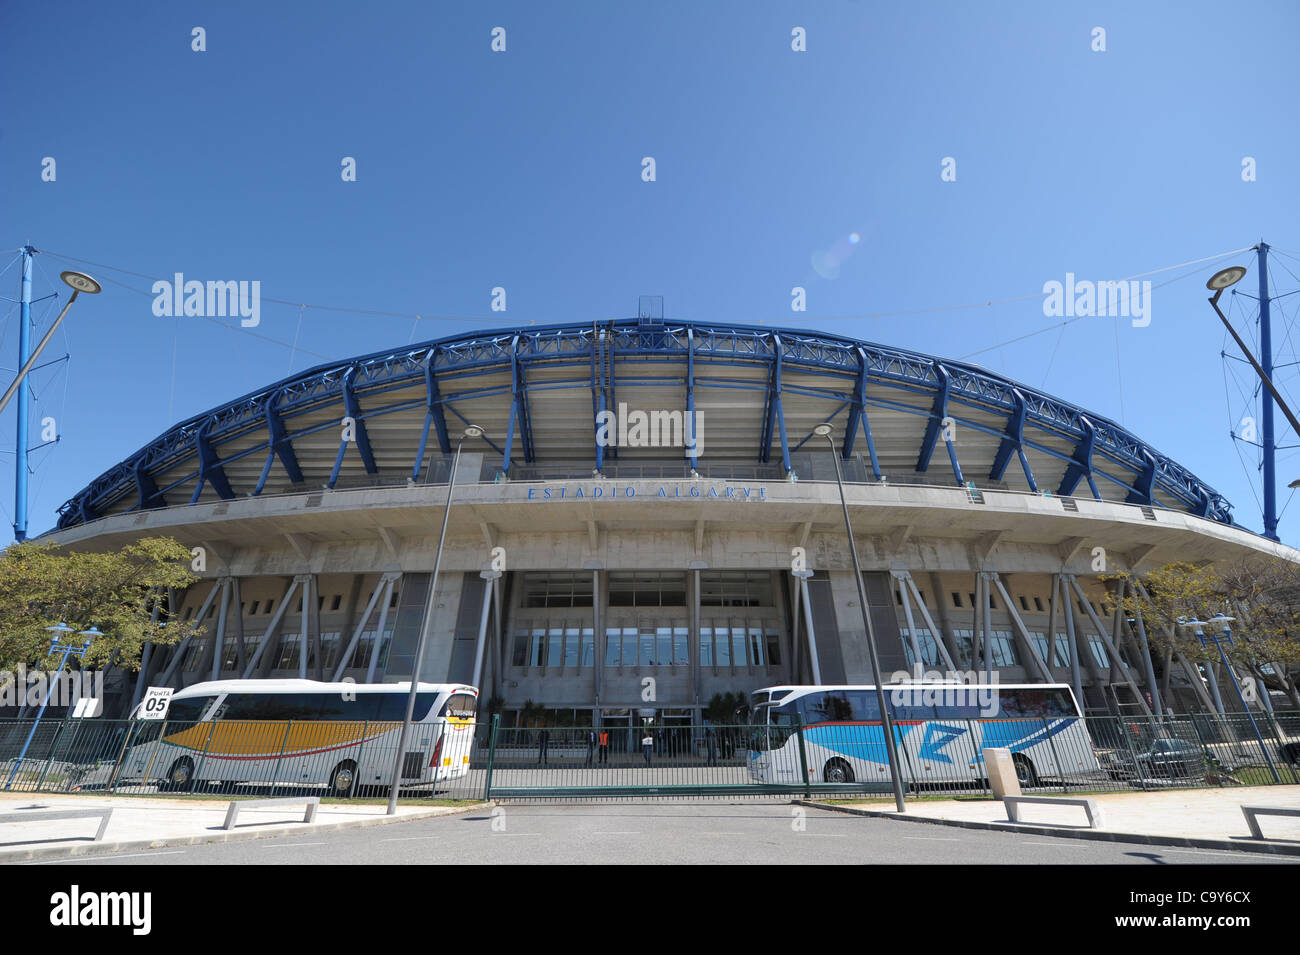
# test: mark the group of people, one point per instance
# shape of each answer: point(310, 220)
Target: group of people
point(598, 746)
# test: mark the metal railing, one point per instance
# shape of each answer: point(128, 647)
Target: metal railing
point(356, 759)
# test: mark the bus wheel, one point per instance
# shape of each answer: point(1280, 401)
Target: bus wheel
point(181, 776)
point(343, 779)
point(1024, 770)
point(838, 771)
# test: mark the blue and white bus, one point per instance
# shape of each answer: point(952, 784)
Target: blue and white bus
point(940, 731)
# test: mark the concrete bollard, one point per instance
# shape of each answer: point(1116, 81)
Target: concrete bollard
point(1002, 772)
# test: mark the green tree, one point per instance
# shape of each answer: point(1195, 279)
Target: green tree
point(1261, 592)
point(42, 585)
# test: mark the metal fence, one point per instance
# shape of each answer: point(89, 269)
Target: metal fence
point(356, 760)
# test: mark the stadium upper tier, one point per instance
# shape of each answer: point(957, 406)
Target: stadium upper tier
point(758, 392)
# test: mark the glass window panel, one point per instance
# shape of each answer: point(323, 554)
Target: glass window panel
point(538, 656)
point(519, 657)
point(929, 647)
point(681, 646)
point(738, 646)
point(965, 643)
point(722, 646)
point(555, 649)
point(757, 656)
point(629, 646)
point(647, 636)
point(1004, 652)
point(571, 646)
point(1063, 650)
point(773, 647)
point(1099, 652)
point(613, 648)
point(664, 651)
point(588, 647)
point(706, 646)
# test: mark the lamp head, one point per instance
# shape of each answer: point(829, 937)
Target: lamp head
point(81, 282)
point(473, 431)
point(823, 429)
point(1225, 278)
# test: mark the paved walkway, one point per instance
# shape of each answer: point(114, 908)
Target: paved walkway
point(141, 823)
point(1203, 817)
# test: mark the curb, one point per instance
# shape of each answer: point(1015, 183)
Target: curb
point(47, 853)
point(1095, 835)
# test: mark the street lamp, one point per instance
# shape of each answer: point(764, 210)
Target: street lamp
point(69, 649)
point(471, 431)
point(1215, 622)
point(79, 282)
point(824, 430)
point(1226, 278)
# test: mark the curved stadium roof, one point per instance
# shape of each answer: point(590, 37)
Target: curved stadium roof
point(759, 391)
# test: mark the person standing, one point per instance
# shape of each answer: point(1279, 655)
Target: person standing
point(603, 740)
point(591, 745)
point(647, 746)
point(542, 740)
point(712, 742)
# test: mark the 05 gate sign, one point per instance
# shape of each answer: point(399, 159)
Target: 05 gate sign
point(156, 701)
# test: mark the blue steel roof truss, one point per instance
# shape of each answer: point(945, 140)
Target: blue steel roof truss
point(272, 410)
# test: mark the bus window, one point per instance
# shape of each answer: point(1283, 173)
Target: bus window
point(840, 706)
point(270, 706)
point(188, 710)
point(460, 706)
point(1038, 704)
point(392, 706)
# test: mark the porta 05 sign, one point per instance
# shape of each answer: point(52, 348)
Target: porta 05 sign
point(662, 492)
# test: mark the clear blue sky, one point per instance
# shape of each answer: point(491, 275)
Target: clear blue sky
point(522, 169)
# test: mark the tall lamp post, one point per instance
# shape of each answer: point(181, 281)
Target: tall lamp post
point(824, 430)
point(472, 431)
point(69, 650)
point(1226, 278)
point(1218, 639)
point(79, 282)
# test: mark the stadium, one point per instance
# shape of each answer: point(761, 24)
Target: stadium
point(648, 520)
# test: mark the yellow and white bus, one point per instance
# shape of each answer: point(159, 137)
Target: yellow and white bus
point(303, 733)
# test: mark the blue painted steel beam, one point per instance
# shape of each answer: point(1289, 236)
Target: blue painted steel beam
point(1081, 463)
point(858, 415)
point(352, 409)
point(519, 386)
point(148, 490)
point(693, 452)
point(1014, 442)
point(210, 470)
point(938, 411)
point(599, 386)
point(278, 444)
point(774, 419)
point(433, 415)
point(1143, 485)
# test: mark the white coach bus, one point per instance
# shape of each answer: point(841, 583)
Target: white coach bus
point(939, 730)
point(300, 732)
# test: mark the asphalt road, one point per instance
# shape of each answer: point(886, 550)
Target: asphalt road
point(674, 833)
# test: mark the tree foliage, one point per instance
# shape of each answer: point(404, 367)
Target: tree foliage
point(42, 585)
point(1261, 593)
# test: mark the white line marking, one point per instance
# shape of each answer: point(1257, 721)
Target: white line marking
point(133, 855)
point(289, 845)
point(930, 839)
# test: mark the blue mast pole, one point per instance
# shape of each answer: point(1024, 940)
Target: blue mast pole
point(24, 353)
point(1266, 361)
